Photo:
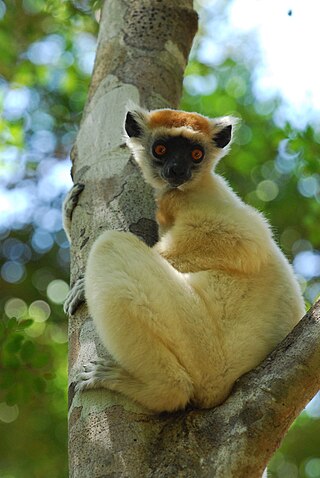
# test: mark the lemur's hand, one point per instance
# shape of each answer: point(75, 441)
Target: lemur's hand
point(75, 297)
point(69, 205)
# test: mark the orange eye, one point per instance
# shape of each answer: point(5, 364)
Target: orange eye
point(197, 154)
point(160, 149)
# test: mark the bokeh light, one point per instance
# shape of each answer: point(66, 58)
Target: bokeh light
point(312, 468)
point(267, 190)
point(58, 334)
point(16, 307)
point(313, 407)
point(8, 414)
point(39, 311)
point(12, 271)
point(57, 291)
point(37, 329)
point(307, 263)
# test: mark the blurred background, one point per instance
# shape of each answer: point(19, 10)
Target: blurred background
point(253, 58)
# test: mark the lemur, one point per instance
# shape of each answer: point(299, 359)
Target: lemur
point(183, 320)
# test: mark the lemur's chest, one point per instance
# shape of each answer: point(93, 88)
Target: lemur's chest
point(168, 207)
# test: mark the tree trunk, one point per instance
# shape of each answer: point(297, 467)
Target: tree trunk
point(143, 47)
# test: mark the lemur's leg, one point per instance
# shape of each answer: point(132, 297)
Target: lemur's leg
point(76, 293)
point(155, 396)
point(69, 205)
point(144, 311)
point(94, 373)
point(158, 393)
point(103, 373)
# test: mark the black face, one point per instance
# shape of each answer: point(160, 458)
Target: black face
point(175, 158)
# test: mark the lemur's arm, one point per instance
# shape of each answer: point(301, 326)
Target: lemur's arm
point(69, 205)
point(76, 294)
point(201, 243)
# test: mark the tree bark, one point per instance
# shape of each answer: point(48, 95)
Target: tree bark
point(143, 47)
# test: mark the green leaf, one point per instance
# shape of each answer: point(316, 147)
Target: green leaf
point(2, 331)
point(39, 360)
point(7, 379)
point(49, 376)
point(14, 344)
point(12, 397)
point(25, 324)
point(39, 384)
point(12, 323)
point(27, 351)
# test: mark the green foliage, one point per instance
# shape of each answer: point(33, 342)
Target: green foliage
point(23, 364)
point(33, 371)
point(299, 454)
point(43, 83)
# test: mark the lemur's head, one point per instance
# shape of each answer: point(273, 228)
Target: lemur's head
point(175, 148)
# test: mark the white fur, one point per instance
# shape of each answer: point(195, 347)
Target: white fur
point(187, 318)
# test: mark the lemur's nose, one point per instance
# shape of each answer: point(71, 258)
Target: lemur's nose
point(176, 173)
point(175, 170)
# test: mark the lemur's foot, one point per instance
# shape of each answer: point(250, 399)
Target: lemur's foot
point(72, 199)
point(75, 297)
point(101, 373)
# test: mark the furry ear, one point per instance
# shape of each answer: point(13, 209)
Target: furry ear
point(136, 120)
point(223, 137)
point(223, 130)
point(131, 126)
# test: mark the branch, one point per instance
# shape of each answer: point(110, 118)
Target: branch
point(239, 437)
